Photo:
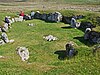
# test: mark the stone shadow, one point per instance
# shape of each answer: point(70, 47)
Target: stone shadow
point(61, 54)
point(66, 27)
point(86, 42)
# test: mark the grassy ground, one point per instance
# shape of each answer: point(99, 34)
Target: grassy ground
point(43, 58)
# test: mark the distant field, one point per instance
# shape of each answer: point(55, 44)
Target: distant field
point(77, 1)
point(25, 5)
point(58, 1)
point(28, 6)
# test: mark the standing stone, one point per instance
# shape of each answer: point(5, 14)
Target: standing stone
point(4, 37)
point(23, 53)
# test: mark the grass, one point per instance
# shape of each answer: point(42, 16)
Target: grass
point(43, 60)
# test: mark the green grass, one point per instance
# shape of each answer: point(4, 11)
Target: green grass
point(42, 59)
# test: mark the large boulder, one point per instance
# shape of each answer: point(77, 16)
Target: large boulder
point(50, 38)
point(27, 17)
point(44, 16)
point(23, 53)
point(66, 20)
point(54, 17)
point(92, 36)
point(37, 15)
point(18, 19)
point(85, 25)
point(70, 50)
point(5, 27)
point(4, 37)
